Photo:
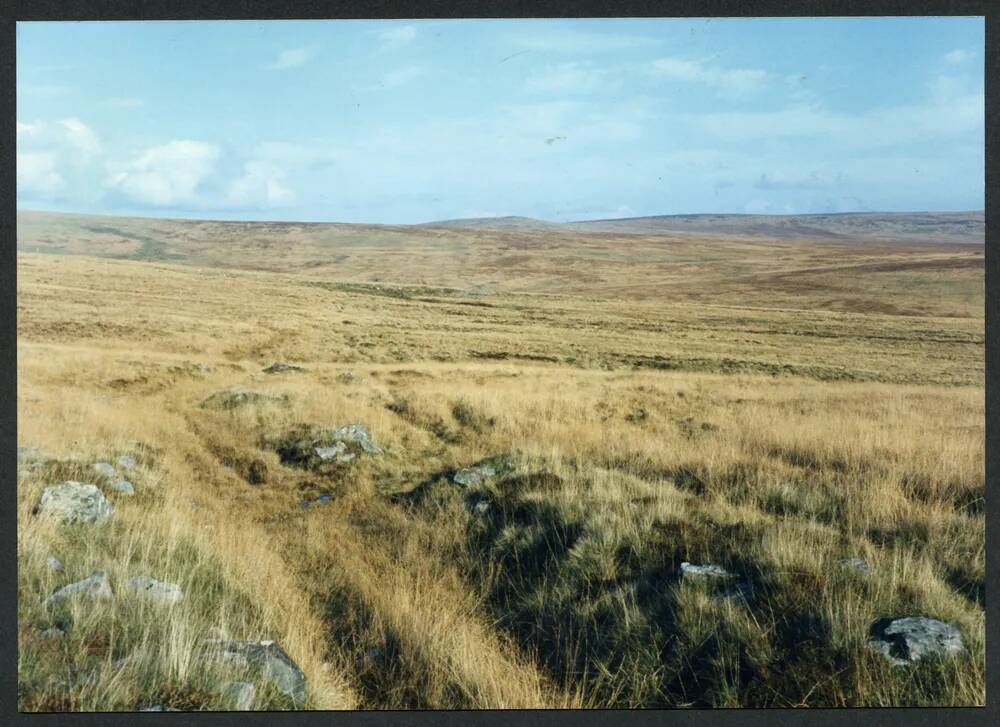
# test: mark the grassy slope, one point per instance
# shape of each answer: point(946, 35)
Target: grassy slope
point(772, 440)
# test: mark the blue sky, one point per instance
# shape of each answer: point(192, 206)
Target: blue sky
point(411, 121)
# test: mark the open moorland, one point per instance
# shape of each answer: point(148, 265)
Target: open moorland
point(595, 465)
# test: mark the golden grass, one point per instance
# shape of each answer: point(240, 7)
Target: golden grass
point(774, 442)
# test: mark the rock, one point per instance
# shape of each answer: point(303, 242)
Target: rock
point(105, 469)
point(240, 694)
point(123, 486)
point(53, 633)
point(324, 498)
point(54, 564)
point(31, 455)
point(689, 570)
point(236, 396)
point(855, 564)
point(484, 470)
point(154, 590)
point(903, 641)
point(338, 452)
point(348, 377)
point(96, 585)
point(312, 448)
point(127, 462)
point(73, 502)
point(280, 368)
point(276, 666)
point(158, 708)
point(481, 507)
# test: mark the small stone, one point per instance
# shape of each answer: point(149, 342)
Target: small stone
point(158, 708)
point(327, 453)
point(348, 377)
point(127, 462)
point(481, 507)
point(96, 586)
point(105, 469)
point(123, 486)
point(484, 470)
point(903, 641)
point(54, 564)
point(53, 633)
point(74, 502)
point(155, 590)
point(241, 694)
point(280, 368)
point(855, 564)
point(276, 666)
point(689, 570)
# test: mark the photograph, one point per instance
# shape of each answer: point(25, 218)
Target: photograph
point(622, 363)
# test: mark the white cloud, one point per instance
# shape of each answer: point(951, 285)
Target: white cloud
point(733, 81)
point(166, 175)
point(396, 38)
point(261, 185)
point(291, 58)
point(572, 77)
point(37, 173)
point(54, 157)
point(958, 56)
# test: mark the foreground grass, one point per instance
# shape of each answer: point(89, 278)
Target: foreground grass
point(400, 593)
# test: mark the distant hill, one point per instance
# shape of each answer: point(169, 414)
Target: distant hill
point(909, 227)
point(496, 223)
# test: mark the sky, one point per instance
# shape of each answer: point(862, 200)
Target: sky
point(413, 121)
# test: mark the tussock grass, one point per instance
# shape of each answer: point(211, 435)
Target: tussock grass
point(554, 584)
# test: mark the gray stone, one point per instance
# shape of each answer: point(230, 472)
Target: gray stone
point(54, 564)
point(338, 452)
point(73, 502)
point(127, 462)
point(484, 470)
point(158, 708)
point(855, 564)
point(241, 694)
point(312, 448)
point(123, 486)
point(96, 586)
point(903, 641)
point(236, 396)
point(105, 469)
point(474, 476)
point(481, 507)
point(154, 590)
point(280, 368)
point(276, 666)
point(348, 377)
point(689, 570)
point(53, 633)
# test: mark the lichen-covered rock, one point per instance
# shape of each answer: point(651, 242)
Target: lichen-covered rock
point(236, 396)
point(54, 564)
point(690, 570)
point(74, 502)
point(123, 486)
point(105, 469)
point(275, 665)
point(310, 448)
point(95, 586)
point(240, 694)
point(154, 590)
point(903, 641)
point(485, 470)
point(856, 564)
